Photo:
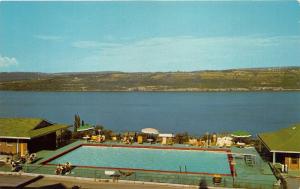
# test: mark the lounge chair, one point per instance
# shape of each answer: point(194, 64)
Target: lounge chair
point(249, 160)
point(102, 138)
point(193, 142)
point(6, 159)
point(217, 179)
point(109, 173)
point(170, 142)
point(126, 140)
point(126, 174)
point(59, 170)
point(2, 158)
point(94, 138)
point(113, 175)
point(240, 144)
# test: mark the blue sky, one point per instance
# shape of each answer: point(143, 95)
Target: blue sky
point(148, 36)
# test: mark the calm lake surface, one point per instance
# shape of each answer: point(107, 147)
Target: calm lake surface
point(170, 112)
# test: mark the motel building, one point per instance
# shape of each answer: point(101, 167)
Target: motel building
point(282, 146)
point(22, 135)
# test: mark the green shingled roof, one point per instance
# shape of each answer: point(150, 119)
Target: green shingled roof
point(85, 127)
point(26, 127)
point(283, 140)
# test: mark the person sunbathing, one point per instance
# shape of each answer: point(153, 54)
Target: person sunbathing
point(67, 168)
point(15, 166)
point(59, 169)
point(32, 157)
point(102, 139)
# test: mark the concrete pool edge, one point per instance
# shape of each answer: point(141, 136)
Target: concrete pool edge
point(227, 151)
point(109, 180)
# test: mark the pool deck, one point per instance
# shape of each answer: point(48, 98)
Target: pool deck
point(260, 172)
point(225, 151)
point(16, 181)
point(257, 176)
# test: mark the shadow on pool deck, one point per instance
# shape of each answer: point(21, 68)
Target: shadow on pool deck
point(17, 181)
point(52, 186)
point(203, 184)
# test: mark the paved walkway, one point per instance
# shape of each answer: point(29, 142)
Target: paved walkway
point(16, 181)
point(31, 181)
point(62, 183)
point(293, 183)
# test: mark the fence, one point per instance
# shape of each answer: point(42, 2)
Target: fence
point(186, 179)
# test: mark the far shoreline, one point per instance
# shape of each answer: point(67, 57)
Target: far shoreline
point(158, 91)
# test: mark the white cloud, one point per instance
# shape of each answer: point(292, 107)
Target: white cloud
point(188, 53)
point(85, 44)
point(49, 37)
point(7, 61)
point(92, 44)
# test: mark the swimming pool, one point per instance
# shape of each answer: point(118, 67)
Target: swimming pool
point(172, 160)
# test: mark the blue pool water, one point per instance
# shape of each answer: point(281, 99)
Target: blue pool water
point(148, 159)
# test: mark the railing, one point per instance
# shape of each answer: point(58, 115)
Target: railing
point(278, 175)
point(185, 179)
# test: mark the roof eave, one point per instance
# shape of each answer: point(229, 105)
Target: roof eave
point(43, 134)
point(264, 142)
point(79, 130)
point(14, 137)
point(288, 152)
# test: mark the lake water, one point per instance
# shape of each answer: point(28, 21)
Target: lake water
point(169, 112)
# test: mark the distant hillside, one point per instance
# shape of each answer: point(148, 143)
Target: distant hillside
point(18, 76)
point(275, 79)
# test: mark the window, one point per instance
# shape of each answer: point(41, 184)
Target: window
point(9, 143)
point(294, 160)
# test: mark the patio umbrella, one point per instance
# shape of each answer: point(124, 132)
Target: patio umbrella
point(150, 131)
point(240, 134)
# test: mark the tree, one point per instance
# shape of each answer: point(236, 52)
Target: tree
point(181, 138)
point(76, 122)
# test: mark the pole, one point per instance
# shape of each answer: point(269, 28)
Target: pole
point(17, 146)
point(274, 158)
point(61, 133)
point(233, 177)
